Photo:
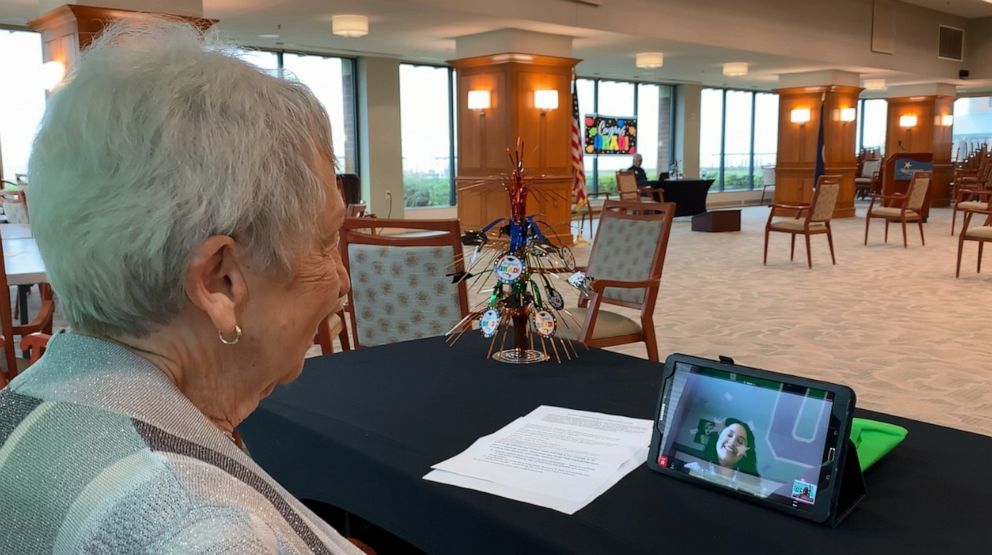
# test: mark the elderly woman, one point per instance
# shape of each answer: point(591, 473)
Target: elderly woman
point(186, 211)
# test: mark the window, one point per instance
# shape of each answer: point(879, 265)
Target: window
point(972, 124)
point(872, 119)
point(765, 134)
point(426, 112)
point(738, 134)
point(332, 81)
point(652, 104)
point(711, 136)
point(22, 98)
point(615, 99)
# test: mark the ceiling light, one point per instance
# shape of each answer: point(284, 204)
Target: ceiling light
point(268, 36)
point(650, 60)
point(735, 69)
point(875, 84)
point(350, 26)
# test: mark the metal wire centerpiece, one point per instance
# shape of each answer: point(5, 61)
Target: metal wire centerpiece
point(518, 260)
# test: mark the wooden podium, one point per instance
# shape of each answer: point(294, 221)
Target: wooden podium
point(898, 170)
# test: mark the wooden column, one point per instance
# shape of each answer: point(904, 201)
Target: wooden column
point(928, 135)
point(511, 79)
point(796, 160)
point(68, 30)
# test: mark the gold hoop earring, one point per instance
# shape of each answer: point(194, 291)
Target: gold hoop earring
point(237, 336)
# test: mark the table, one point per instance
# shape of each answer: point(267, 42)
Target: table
point(23, 263)
point(359, 429)
point(689, 195)
point(16, 231)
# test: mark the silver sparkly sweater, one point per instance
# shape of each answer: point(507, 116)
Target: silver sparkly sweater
point(101, 453)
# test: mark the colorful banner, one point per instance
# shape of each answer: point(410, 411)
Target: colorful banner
point(610, 134)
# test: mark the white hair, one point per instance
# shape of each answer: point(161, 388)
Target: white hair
point(158, 139)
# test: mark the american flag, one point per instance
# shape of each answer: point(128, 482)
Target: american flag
point(578, 169)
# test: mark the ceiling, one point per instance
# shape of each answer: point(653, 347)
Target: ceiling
point(425, 31)
point(965, 8)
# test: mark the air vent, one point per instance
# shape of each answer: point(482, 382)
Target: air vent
point(950, 44)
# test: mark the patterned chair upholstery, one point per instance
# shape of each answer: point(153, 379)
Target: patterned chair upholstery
point(816, 220)
point(901, 208)
point(399, 287)
point(626, 262)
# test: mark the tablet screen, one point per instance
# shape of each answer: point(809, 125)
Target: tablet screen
point(759, 437)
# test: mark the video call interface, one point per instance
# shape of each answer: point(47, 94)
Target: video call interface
point(759, 437)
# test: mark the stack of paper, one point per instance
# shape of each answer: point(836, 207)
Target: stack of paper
point(553, 457)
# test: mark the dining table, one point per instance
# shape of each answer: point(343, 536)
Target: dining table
point(358, 430)
point(22, 262)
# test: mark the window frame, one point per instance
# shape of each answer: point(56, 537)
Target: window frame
point(452, 129)
point(721, 183)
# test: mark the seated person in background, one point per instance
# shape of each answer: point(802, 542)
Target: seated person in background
point(201, 196)
point(727, 452)
point(638, 170)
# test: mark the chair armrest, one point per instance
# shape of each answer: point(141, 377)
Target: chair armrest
point(790, 206)
point(599, 284)
point(598, 194)
point(986, 211)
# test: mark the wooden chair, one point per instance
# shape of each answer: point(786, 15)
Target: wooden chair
point(627, 186)
point(816, 221)
point(901, 208)
point(980, 234)
point(626, 262)
point(767, 182)
point(971, 192)
point(42, 321)
point(333, 325)
point(15, 206)
point(401, 284)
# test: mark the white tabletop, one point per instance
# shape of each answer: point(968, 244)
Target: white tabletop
point(15, 231)
point(23, 262)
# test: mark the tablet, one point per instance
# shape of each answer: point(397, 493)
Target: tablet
point(774, 439)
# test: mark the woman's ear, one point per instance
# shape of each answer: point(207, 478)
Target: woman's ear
point(215, 282)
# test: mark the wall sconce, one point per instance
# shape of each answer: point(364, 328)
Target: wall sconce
point(478, 100)
point(946, 120)
point(546, 99)
point(800, 116)
point(907, 121)
point(51, 74)
point(847, 115)
point(350, 26)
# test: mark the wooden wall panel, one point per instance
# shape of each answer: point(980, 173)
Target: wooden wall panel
point(796, 160)
point(929, 135)
point(482, 140)
point(69, 29)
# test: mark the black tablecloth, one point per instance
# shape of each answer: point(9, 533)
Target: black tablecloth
point(359, 429)
point(689, 195)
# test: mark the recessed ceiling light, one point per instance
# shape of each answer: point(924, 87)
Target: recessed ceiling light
point(650, 60)
point(268, 36)
point(875, 84)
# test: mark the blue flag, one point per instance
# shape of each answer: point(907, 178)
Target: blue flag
point(819, 147)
